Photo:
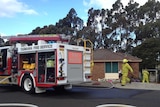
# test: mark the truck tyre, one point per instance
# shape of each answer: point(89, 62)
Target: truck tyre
point(27, 84)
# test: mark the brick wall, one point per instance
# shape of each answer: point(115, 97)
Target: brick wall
point(135, 67)
point(98, 71)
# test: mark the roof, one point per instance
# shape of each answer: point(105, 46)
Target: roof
point(105, 55)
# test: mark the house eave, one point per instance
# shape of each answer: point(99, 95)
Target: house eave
point(116, 60)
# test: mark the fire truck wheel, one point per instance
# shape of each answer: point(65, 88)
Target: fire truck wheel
point(27, 84)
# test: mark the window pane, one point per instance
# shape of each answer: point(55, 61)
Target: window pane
point(114, 67)
point(108, 67)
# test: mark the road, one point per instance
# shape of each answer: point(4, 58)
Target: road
point(82, 97)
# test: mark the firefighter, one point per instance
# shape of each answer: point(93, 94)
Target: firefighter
point(125, 69)
point(145, 74)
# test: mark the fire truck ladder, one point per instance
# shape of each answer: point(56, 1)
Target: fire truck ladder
point(88, 62)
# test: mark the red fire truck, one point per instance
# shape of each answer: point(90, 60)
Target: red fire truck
point(38, 62)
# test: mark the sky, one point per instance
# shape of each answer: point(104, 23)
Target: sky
point(22, 16)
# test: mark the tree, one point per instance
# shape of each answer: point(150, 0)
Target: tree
point(69, 25)
point(118, 29)
point(148, 21)
point(36, 30)
point(88, 33)
point(148, 52)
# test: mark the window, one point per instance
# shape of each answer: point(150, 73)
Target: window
point(111, 67)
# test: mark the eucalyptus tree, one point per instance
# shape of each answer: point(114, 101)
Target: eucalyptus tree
point(36, 30)
point(69, 25)
point(95, 23)
point(130, 25)
point(118, 22)
point(148, 17)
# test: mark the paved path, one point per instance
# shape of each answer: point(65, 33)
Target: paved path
point(133, 85)
point(139, 85)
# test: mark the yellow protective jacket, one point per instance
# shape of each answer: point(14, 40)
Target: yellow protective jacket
point(126, 68)
point(145, 73)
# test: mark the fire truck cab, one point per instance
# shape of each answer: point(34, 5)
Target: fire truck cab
point(44, 64)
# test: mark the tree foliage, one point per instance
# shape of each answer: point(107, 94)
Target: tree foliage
point(119, 29)
point(149, 52)
point(69, 25)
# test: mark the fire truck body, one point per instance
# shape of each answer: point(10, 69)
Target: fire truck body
point(38, 67)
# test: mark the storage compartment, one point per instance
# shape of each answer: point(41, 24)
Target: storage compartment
point(46, 67)
point(27, 61)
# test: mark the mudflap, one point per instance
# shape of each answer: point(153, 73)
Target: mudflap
point(40, 90)
point(68, 87)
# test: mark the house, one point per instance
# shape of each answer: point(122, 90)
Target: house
point(108, 63)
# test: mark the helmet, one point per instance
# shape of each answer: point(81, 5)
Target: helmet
point(125, 60)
